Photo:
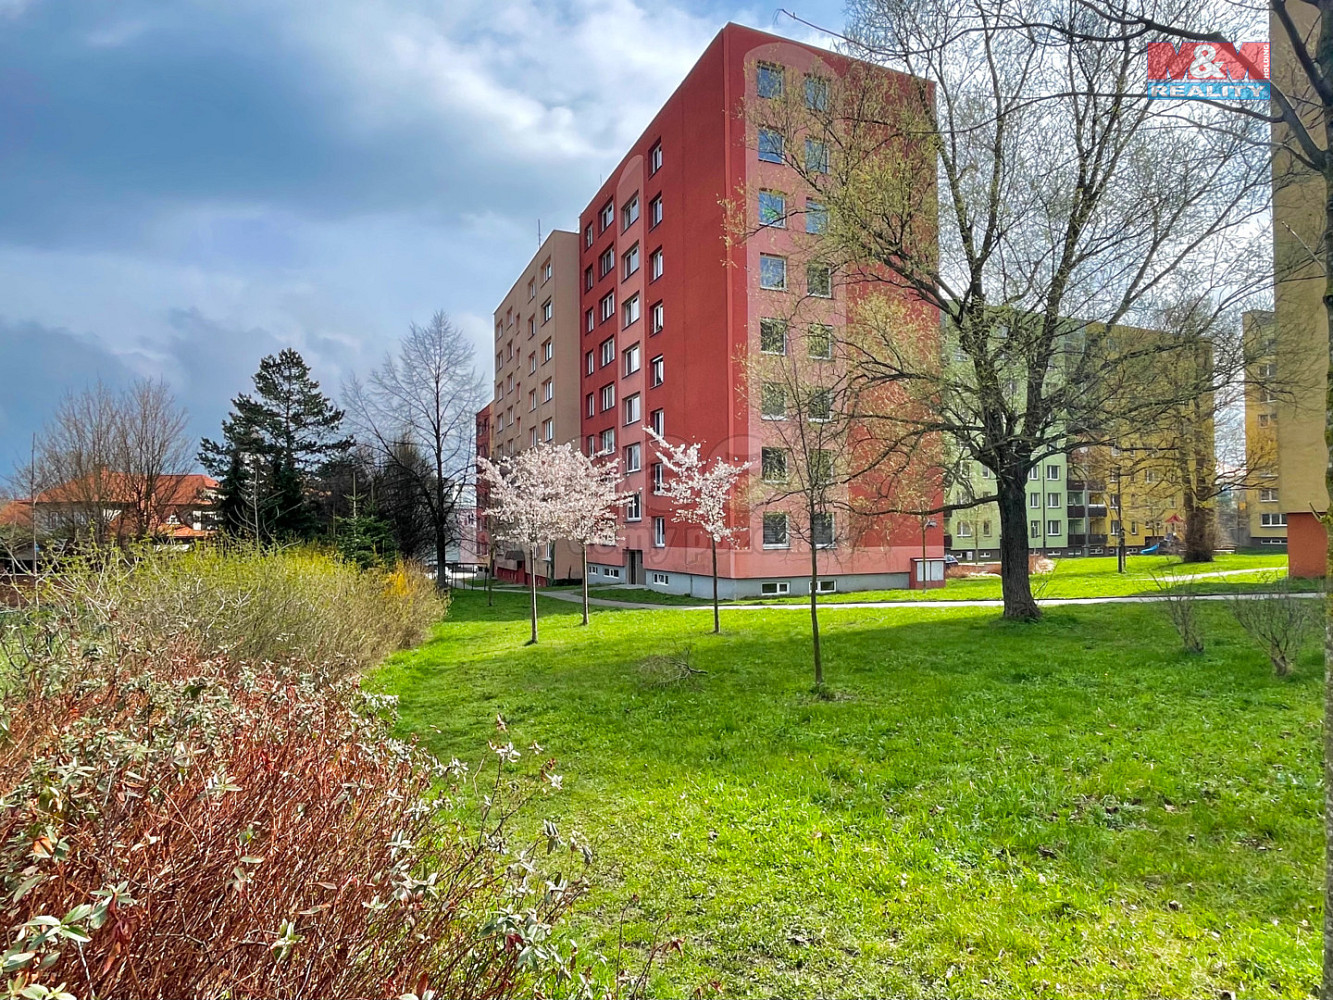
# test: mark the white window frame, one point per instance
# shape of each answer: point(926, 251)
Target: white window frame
point(786, 532)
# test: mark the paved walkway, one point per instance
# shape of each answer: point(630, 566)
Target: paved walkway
point(573, 597)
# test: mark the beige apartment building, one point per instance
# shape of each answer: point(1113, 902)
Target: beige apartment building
point(535, 399)
point(1265, 523)
point(1300, 335)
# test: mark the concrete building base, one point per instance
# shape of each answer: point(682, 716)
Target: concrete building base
point(699, 586)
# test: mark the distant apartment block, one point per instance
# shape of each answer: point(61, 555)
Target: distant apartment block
point(536, 385)
point(1265, 521)
point(668, 313)
point(1300, 329)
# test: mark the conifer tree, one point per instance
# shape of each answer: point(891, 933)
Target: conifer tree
point(275, 445)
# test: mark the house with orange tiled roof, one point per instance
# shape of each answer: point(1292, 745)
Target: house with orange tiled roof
point(120, 506)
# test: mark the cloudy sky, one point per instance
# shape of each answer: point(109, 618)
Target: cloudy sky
point(187, 186)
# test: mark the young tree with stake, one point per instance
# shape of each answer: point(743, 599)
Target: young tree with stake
point(532, 500)
point(702, 494)
point(594, 501)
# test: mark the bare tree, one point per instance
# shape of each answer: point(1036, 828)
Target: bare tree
point(1042, 269)
point(109, 462)
point(425, 397)
point(152, 453)
point(703, 496)
point(1294, 129)
point(809, 402)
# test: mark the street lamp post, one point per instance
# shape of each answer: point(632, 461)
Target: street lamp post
point(925, 525)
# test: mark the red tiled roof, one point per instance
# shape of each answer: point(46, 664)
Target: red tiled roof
point(115, 488)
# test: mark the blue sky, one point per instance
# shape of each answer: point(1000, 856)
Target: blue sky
point(187, 186)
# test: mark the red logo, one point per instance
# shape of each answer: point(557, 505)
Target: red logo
point(1208, 70)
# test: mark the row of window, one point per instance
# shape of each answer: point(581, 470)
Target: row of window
point(777, 531)
point(773, 398)
point(629, 261)
point(818, 339)
point(629, 215)
point(548, 313)
point(631, 311)
point(1052, 472)
point(631, 363)
point(771, 83)
point(507, 386)
point(773, 276)
point(774, 461)
point(773, 149)
point(605, 442)
point(1052, 500)
point(773, 212)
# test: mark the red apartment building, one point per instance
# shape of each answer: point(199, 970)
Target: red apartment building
point(666, 319)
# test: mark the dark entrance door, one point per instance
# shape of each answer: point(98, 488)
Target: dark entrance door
point(634, 565)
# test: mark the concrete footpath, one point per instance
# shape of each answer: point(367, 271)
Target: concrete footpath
point(1052, 602)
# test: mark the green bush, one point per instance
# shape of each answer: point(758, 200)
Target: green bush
point(257, 604)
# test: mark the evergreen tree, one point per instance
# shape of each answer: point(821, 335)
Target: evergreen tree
point(275, 446)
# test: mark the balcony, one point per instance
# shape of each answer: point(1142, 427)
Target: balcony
point(1078, 485)
point(1096, 510)
point(1076, 510)
point(1092, 541)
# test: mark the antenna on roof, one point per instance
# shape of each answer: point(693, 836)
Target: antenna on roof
point(539, 233)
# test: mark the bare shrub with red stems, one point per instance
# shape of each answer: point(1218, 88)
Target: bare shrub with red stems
point(177, 825)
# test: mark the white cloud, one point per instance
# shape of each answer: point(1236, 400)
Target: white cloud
point(539, 81)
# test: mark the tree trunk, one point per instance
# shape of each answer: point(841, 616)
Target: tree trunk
point(532, 589)
point(1198, 529)
point(814, 607)
point(585, 584)
point(1015, 583)
point(490, 580)
point(1325, 58)
point(717, 621)
point(441, 554)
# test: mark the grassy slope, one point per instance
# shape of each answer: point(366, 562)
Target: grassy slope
point(1069, 808)
point(1095, 576)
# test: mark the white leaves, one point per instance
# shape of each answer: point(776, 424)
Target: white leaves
point(701, 492)
point(550, 492)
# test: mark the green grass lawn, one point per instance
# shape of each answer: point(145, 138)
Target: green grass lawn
point(1071, 808)
point(1095, 576)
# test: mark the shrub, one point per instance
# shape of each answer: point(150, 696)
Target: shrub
point(1281, 622)
point(255, 604)
point(179, 826)
point(1180, 602)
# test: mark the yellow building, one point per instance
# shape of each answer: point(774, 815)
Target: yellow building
point(1135, 487)
point(1265, 522)
point(1301, 323)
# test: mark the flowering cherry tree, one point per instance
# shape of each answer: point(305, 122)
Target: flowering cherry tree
point(593, 502)
point(551, 492)
point(701, 493)
point(528, 502)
